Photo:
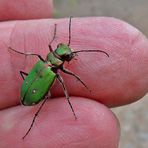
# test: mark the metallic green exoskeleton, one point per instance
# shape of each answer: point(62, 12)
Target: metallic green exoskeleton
point(37, 83)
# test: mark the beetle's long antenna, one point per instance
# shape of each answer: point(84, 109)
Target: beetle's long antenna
point(69, 30)
point(54, 34)
point(92, 51)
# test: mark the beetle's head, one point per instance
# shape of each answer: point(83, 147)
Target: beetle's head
point(64, 52)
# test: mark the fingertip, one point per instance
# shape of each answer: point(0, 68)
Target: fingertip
point(22, 10)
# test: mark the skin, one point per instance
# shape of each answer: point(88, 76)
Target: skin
point(115, 81)
point(19, 10)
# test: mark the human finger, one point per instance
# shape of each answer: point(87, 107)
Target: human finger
point(22, 10)
point(114, 81)
point(56, 127)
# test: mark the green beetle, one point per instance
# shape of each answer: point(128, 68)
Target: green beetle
point(37, 84)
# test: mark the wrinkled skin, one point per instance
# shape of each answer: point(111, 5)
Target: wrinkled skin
point(120, 79)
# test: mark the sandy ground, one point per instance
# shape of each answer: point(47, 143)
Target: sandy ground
point(133, 121)
point(133, 118)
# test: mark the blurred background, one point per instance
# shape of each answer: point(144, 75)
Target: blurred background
point(134, 117)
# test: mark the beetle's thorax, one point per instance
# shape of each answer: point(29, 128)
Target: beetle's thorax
point(61, 54)
point(54, 60)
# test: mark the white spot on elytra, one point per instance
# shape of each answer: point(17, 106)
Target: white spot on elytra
point(34, 91)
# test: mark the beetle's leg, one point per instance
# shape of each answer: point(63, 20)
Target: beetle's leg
point(35, 116)
point(54, 35)
point(74, 75)
point(66, 93)
point(22, 74)
point(28, 54)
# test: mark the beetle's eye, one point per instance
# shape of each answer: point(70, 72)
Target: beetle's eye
point(60, 44)
point(67, 57)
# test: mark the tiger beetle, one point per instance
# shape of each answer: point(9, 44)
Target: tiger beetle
point(37, 83)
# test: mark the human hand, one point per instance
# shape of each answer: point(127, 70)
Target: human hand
point(114, 81)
